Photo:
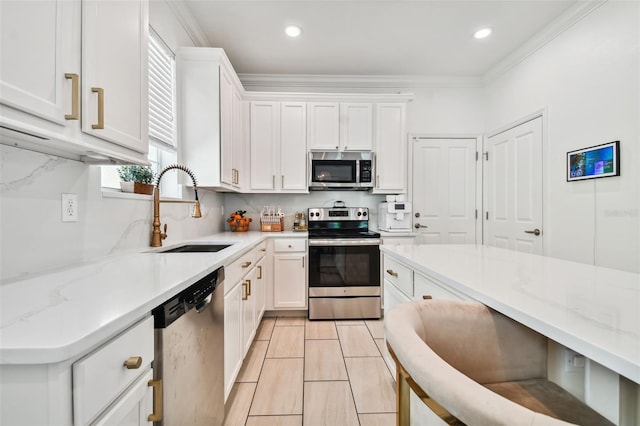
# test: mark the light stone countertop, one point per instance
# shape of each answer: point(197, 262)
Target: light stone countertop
point(63, 314)
point(592, 310)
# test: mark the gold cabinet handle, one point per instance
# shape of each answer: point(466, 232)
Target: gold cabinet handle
point(427, 297)
point(263, 249)
point(156, 416)
point(393, 274)
point(248, 288)
point(245, 296)
point(75, 96)
point(133, 363)
point(100, 92)
point(260, 269)
point(246, 264)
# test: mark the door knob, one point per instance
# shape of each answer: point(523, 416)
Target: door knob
point(418, 226)
point(417, 214)
point(535, 232)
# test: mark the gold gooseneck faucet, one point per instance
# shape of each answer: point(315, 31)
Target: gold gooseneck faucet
point(157, 236)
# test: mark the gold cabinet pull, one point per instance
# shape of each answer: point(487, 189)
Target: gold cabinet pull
point(75, 96)
point(245, 296)
point(427, 297)
point(393, 274)
point(133, 363)
point(248, 288)
point(246, 264)
point(260, 269)
point(100, 92)
point(156, 416)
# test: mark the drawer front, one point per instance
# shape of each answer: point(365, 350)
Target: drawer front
point(399, 275)
point(261, 250)
point(425, 287)
point(100, 377)
point(284, 245)
point(239, 268)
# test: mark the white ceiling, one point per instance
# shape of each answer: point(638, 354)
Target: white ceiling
point(362, 37)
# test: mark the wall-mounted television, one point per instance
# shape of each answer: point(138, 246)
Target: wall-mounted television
point(594, 162)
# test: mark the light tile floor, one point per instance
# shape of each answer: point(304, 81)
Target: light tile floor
point(313, 373)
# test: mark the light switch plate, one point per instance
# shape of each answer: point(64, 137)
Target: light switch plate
point(69, 207)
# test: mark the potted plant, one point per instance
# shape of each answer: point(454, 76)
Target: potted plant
point(136, 179)
point(238, 222)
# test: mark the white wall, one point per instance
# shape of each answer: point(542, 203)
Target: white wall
point(588, 80)
point(34, 239)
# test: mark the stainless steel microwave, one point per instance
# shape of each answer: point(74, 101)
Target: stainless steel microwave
point(341, 170)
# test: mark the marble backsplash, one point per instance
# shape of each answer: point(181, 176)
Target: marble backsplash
point(33, 237)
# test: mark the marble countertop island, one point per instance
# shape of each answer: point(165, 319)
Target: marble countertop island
point(592, 310)
point(59, 315)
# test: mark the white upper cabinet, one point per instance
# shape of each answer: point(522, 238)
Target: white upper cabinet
point(390, 149)
point(356, 126)
point(210, 116)
point(65, 65)
point(323, 125)
point(278, 146)
point(115, 40)
point(339, 126)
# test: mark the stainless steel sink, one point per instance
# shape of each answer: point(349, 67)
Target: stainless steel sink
point(197, 248)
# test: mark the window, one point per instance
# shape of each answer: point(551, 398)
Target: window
point(162, 117)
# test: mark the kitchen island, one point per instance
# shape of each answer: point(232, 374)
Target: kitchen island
point(592, 310)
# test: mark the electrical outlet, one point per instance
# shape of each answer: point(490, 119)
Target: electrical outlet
point(69, 207)
point(573, 361)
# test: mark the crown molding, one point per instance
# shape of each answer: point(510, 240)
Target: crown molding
point(559, 25)
point(188, 22)
point(328, 97)
point(296, 82)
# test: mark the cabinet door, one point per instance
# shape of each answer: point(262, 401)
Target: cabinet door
point(227, 173)
point(133, 408)
point(259, 289)
point(115, 60)
point(293, 146)
point(323, 125)
point(232, 336)
point(238, 139)
point(356, 126)
point(248, 310)
point(391, 149)
point(289, 281)
point(39, 44)
point(264, 137)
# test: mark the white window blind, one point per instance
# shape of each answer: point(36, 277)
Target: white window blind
point(162, 122)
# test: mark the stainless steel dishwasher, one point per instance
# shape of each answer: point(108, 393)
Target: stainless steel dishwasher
point(189, 354)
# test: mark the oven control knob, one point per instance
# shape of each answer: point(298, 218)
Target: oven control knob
point(364, 213)
point(359, 213)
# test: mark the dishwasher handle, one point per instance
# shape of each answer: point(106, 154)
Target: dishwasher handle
point(202, 305)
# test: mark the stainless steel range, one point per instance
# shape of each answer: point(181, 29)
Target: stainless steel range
point(344, 264)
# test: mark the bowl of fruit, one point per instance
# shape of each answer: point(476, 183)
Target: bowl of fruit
point(238, 222)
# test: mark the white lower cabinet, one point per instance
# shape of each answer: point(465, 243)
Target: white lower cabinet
point(232, 335)
point(290, 273)
point(134, 407)
point(244, 305)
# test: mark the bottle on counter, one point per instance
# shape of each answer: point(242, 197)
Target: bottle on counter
point(296, 222)
point(303, 222)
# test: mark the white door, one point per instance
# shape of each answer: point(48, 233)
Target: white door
point(444, 190)
point(227, 127)
point(323, 125)
point(391, 149)
point(513, 160)
point(289, 281)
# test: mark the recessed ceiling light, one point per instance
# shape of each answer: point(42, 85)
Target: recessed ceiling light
point(293, 31)
point(482, 33)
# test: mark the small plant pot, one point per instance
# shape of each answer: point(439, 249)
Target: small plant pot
point(136, 187)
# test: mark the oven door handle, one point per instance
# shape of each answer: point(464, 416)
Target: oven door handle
point(344, 242)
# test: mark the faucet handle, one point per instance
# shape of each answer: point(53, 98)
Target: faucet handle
point(163, 235)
